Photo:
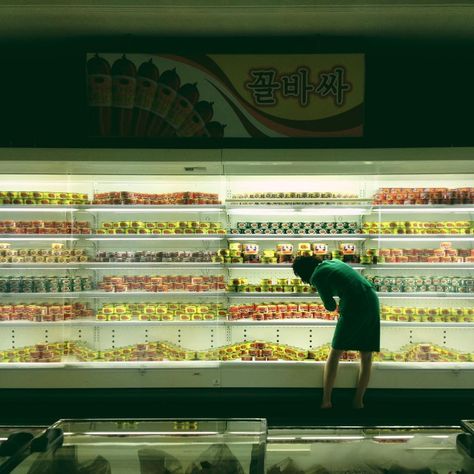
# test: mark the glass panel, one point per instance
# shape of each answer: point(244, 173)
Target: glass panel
point(146, 446)
point(370, 450)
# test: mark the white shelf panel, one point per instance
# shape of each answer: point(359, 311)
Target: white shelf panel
point(322, 322)
point(424, 208)
point(152, 208)
point(288, 296)
point(421, 237)
point(138, 265)
point(427, 295)
point(212, 265)
point(155, 237)
point(210, 323)
point(112, 208)
point(41, 237)
point(293, 201)
point(109, 237)
point(306, 237)
point(94, 322)
point(124, 295)
point(230, 294)
point(421, 266)
point(220, 322)
point(215, 374)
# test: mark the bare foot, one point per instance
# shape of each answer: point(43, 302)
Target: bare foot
point(357, 405)
point(326, 405)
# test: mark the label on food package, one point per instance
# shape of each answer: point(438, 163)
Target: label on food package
point(123, 91)
point(99, 88)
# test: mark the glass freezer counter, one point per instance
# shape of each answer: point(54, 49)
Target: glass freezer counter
point(148, 446)
point(244, 447)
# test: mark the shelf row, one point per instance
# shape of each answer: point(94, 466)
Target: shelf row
point(216, 266)
point(223, 294)
point(239, 237)
point(224, 323)
point(299, 207)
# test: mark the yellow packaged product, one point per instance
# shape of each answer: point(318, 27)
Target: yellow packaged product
point(120, 309)
point(108, 308)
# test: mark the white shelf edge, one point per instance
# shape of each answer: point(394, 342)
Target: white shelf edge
point(124, 295)
point(110, 207)
point(221, 322)
point(98, 294)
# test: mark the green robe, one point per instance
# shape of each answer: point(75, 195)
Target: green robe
point(358, 327)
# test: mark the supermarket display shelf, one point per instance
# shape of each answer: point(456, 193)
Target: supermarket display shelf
point(215, 294)
point(240, 237)
point(288, 295)
point(156, 237)
point(323, 322)
point(110, 265)
point(420, 237)
point(281, 266)
point(298, 210)
point(413, 208)
point(42, 237)
point(95, 322)
point(223, 322)
point(122, 295)
point(421, 266)
point(292, 201)
point(231, 374)
point(213, 265)
point(111, 237)
point(306, 237)
point(271, 295)
point(113, 208)
point(427, 294)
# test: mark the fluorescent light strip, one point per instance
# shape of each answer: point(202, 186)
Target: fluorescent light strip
point(37, 209)
point(237, 237)
point(420, 296)
point(420, 209)
point(335, 438)
point(153, 433)
point(152, 238)
point(23, 239)
point(422, 266)
point(152, 209)
point(283, 438)
point(422, 239)
point(292, 211)
point(39, 267)
point(394, 437)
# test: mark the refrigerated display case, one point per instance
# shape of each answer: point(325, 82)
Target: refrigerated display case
point(145, 446)
point(242, 446)
point(119, 269)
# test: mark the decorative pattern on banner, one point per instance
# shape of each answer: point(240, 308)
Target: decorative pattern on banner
point(237, 96)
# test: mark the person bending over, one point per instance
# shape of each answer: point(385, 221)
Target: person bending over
point(358, 326)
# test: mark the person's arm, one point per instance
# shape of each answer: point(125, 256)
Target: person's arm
point(324, 291)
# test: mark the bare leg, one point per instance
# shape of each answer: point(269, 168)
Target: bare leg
point(330, 372)
point(364, 377)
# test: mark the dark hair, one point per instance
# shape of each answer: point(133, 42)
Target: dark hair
point(304, 267)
